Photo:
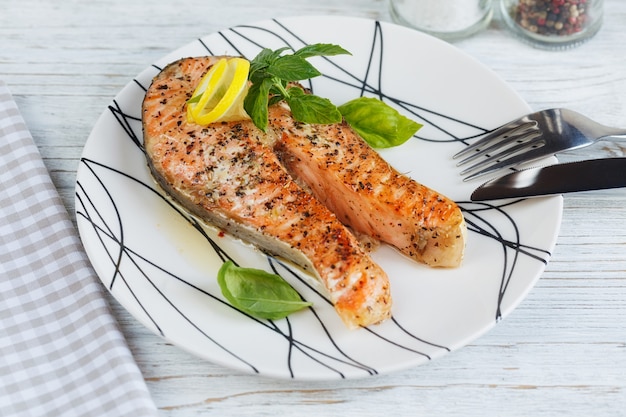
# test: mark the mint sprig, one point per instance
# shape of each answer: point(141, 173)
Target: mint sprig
point(271, 71)
point(270, 74)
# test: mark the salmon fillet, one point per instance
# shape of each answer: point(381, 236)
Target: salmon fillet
point(367, 193)
point(228, 175)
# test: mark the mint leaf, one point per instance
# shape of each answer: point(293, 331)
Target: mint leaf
point(321, 49)
point(377, 123)
point(270, 73)
point(309, 108)
point(256, 103)
point(258, 293)
point(265, 58)
point(292, 68)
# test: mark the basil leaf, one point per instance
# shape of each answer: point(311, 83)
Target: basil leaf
point(258, 293)
point(292, 68)
point(377, 123)
point(321, 49)
point(309, 108)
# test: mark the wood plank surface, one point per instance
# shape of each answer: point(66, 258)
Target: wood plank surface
point(562, 352)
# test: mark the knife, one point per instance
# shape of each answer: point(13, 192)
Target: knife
point(593, 174)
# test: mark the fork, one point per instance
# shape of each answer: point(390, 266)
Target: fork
point(532, 137)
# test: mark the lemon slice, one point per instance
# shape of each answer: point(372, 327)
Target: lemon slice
point(207, 88)
point(220, 93)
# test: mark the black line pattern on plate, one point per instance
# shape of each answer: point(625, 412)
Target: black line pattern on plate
point(511, 248)
point(88, 210)
point(135, 274)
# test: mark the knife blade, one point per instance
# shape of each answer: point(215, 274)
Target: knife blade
point(592, 174)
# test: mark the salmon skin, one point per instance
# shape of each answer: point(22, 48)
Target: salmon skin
point(367, 193)
point(228, 175)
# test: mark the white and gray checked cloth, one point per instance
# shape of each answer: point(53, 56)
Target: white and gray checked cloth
point(61, 352)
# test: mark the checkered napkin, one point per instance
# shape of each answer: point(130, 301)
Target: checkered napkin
point(61, 353)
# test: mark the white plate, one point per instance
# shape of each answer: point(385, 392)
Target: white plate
point(162, 268)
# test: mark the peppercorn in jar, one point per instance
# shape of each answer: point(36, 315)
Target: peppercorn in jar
point(553, 24)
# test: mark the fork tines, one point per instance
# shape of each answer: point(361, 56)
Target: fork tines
point(504, 147)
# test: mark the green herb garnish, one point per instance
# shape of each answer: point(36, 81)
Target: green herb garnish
point(258, 292)
point(379, 124)
point(272, 71)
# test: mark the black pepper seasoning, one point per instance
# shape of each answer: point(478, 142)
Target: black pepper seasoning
point(553, 24)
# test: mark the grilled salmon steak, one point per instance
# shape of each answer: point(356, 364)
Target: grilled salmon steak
point(367, 193)
point(229, 175)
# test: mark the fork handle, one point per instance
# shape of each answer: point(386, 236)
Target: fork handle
point(613, 138)
point(614, 134)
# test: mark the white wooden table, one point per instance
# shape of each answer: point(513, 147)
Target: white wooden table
point(562, 352)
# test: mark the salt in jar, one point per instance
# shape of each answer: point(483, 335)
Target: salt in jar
point(447, 19)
